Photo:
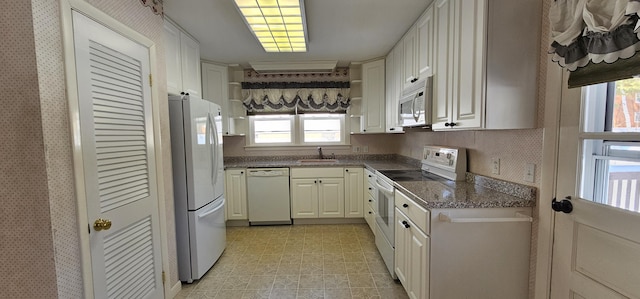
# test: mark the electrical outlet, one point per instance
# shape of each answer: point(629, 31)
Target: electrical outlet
point(529, 172)
point(365, 149)
point(355, 149)
point(495, 165)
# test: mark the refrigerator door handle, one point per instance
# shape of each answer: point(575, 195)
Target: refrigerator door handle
point(214, 151)
point(220, 206)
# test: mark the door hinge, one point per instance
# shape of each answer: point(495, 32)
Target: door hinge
point(164, 277)
point(150, 80)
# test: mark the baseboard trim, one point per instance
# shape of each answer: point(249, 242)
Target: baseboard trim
point(175, 290)
point(329, 221)
point(237, 222)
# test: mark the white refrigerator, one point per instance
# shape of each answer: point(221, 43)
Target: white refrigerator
point(198, 182)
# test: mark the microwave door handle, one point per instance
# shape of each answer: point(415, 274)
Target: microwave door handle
point(416, 112)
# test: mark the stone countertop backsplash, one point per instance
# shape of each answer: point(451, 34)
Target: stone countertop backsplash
point(475, 191)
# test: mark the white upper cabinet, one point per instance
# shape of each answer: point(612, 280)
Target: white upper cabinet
point(215, 88)
point(417, 51)
point(373, 97)
point(482, 78)
point(183, 61)
point(409, 69)
point(393, 86)
point(424, 47)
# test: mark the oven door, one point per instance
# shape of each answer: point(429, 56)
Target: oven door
point(385, 215)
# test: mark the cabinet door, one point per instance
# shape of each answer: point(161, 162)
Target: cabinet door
point(172, 55)
point(215, 87)
point(331, 197)
point(353, 193)
point(418, 268)
point(424, 35)
point(373, 112)
point(469, 63)
point(443, 12)
point(304, 198)
point(236, 194)
point(409, 49)
point(402, 237)
point(190, 52)
point(393, 85)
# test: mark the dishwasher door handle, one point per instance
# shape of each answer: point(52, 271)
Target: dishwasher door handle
point(520, 217)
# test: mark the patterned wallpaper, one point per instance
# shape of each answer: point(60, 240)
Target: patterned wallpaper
point(37, 167)
point(26, 250)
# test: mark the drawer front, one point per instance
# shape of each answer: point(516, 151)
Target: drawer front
point(416, 213)
point(323, 172)
point(370, 217)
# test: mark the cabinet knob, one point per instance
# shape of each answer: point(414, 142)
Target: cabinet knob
point(364, 130)
point(370, 175)
point(370, 212)
point(452, 124)
point(392, 129)
point(447, 124)
point(407, 225)
point(369, 188)
point(404, 205)
point(370, 199)
point(320, 181)
point(241, 172)
point(347, 170)
point(315, 182)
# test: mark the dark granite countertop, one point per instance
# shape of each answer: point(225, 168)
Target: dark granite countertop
point(474, 192)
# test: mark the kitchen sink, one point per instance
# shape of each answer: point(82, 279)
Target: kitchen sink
point(317, 161)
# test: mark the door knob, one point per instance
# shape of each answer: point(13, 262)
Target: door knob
point(102, 224)
point(564, 205)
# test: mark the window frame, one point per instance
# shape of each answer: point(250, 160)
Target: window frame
point(251, 139)
point(297, 132)
point(343, 132)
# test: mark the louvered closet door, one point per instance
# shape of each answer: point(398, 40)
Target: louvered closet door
point(118, 160)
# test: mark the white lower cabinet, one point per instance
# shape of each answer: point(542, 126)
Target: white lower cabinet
point(236, 194)
point(317, 193)
point(411, 256)
point(353, 192)
point(304, 198)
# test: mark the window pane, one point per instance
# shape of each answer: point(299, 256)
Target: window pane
point(272, 129)
point(625, 114)
point(322, 128)
point(611, 174)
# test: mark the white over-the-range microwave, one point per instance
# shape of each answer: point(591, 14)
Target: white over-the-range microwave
point(415, 103)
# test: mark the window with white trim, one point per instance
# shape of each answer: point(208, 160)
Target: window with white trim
point(610, 172)
point(297, 130)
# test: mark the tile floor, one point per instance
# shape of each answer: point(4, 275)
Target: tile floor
point(297, 261)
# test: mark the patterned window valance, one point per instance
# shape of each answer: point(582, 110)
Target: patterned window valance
point(295, 97)
point(586, 33)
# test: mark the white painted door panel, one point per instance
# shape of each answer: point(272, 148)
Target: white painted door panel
point(596, 248)
point(304, 198)
point(173, 61)
point(119, 162)
point(190, 52)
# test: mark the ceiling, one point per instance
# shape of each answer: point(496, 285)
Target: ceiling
point(342, 30)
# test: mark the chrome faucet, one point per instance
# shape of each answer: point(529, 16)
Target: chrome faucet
point(320, 152)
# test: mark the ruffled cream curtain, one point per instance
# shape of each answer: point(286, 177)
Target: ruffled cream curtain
point(295, 98)
point(590, 32)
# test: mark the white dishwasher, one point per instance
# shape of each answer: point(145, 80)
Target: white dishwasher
point(268, 196)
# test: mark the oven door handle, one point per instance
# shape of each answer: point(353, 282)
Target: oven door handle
point(385, 190)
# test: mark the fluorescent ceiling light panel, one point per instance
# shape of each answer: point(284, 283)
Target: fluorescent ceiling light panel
point(282, 21)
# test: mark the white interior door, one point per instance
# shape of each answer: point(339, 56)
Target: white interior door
point(596, 251)
point(118, 159)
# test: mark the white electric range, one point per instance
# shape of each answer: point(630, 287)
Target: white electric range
point(438, 163)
